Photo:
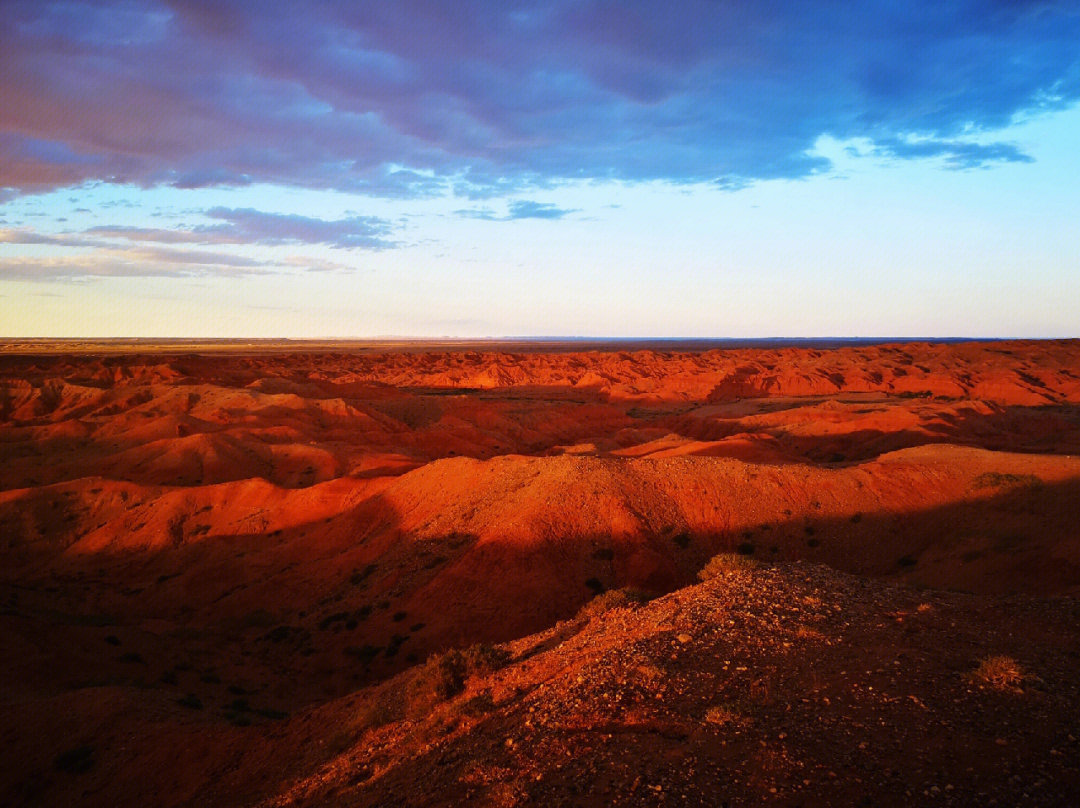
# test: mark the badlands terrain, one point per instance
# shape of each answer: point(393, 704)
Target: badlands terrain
point(376, 574)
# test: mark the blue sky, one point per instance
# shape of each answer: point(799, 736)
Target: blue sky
point(560, 168)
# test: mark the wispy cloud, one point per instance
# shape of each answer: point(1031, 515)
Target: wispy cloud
point(132, 252)
point(524, 209)
point(957, 154)
point(89, 267)
point(249, 226)
point(139, 258)
point(517, 209)
point(245, 225)
point(27, 236)
point(485, 214)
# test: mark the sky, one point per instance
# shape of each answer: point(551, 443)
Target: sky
point(485, 168)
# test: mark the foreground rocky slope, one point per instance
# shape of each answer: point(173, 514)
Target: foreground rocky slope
point(792, 685)
point(786, 685)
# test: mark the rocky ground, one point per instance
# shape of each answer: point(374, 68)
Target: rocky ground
point(789, 685)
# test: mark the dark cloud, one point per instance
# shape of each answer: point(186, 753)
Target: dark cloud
point(482, 97)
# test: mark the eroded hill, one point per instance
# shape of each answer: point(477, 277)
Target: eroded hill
point(193, 543)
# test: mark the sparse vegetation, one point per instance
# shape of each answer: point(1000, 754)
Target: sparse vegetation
point(238, 719)
point(360, 576)
point(364, 653)
point(75, 761)
point(613, 599)
point(994, 479)
point(999, 672)
point(396, 641)
point(440, 678)
point(728, 712)
point(723, 563)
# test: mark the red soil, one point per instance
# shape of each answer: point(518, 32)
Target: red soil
point(276, 532)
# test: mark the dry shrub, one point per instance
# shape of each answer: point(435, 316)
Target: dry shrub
point(1000, 672)
point(724, 563)
point(996, 479)
point(442, 677)
point(613, 599)
point(386, 706)
point(728, 712)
